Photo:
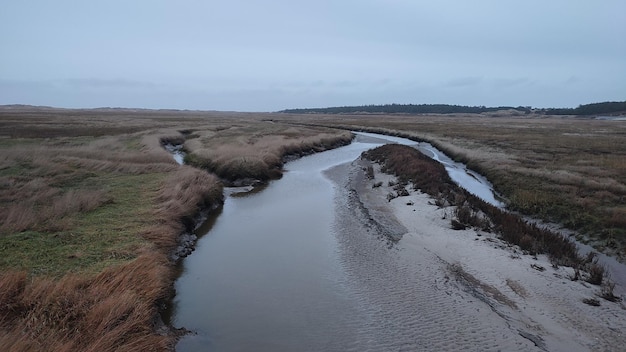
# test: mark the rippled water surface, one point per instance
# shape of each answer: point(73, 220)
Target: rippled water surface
point(295, 268)
point(267, 276)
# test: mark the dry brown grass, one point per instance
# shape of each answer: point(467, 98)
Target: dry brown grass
point(183, 195)
point(110, 312)
point(409, 165)
point(429, 176)
point(53, 208)
point(91, 207)
point(80, 188)
point(256, 150)
point(42, 186)
point(73, 180)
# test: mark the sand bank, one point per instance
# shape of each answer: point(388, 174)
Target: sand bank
point(467, 289)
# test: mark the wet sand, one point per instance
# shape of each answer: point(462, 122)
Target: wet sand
point(424, 286)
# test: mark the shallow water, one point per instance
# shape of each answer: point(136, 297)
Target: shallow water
point(177, 152)
point(267, 276)
point(294, 267)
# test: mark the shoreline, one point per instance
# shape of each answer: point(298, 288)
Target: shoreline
point(533, 299)
point(187, 239)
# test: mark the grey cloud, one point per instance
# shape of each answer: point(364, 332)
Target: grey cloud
point(245, 55)
point(107, 83)
point(510, 82)
point(464, 81)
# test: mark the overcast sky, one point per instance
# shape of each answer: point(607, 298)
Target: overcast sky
point(270, 55)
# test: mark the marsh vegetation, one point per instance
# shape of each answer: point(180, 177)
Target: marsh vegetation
point(570, 171)
point(255, 150)
point(413, 168)
point(91, 208)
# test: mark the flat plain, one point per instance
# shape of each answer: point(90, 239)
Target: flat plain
point(92, 205)
point(569, 171)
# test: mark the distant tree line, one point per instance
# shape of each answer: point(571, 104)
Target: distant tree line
point(405, 109)
point(609, 107)
point(587, 109)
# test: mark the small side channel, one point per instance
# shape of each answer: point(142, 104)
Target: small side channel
point(177, 151)
point(472, 181)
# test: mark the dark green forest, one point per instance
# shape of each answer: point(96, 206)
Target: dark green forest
point(581, 110)
point(611, 107)
point(404, 109)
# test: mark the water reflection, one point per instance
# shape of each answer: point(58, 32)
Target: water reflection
point(267, 275)
point(270, 275)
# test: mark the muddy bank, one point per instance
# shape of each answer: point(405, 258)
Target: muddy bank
point(432, 287)
point(373, 209)
point(186, 241)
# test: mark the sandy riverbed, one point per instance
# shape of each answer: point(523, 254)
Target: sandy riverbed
point(447, 290)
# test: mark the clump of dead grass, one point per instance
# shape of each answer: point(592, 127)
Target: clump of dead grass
point(410, 165)
point(111, 311)
point(237, 153)
point(606, 292)
point(181, 197)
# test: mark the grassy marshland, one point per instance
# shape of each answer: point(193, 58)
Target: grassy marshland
point(562, 169)
point(412, 167)
point(429, 176)
point(256, 150)
point(91, 207)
